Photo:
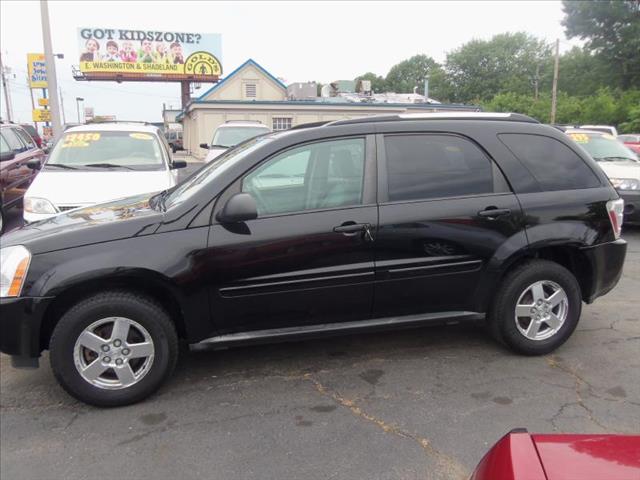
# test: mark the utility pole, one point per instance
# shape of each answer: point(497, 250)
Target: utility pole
point(64, 120)
point(5, 87)
point(51, 70)
point(554, 90)
point(33, 105)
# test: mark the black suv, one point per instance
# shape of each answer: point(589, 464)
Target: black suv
point(378, 223)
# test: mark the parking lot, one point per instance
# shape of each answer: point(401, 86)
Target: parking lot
point(408, 404)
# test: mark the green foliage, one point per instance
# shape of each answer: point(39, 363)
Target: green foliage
point(378, 83)
point(410, 73)
point(612, 30)
point(605, 106)
point(506, 63)
point(582, 73)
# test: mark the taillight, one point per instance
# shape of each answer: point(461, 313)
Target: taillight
point(616, 215)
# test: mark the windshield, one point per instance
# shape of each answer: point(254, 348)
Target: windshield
point(209, 172)
point(604, 147)
point(103, 150)
point(232, 136)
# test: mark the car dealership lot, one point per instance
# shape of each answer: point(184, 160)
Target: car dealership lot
point(411, 404)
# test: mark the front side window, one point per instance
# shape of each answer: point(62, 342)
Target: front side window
point(315, 176)
point(4, 146)
point(421, 167)
point(108, 149)
point(12, 139)
point(554, 165)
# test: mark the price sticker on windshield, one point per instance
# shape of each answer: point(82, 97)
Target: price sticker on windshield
point(80, 140)
point(141, 136)
point(579, 137)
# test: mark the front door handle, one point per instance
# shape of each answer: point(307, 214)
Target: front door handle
point(493, 212)
point(350, 229)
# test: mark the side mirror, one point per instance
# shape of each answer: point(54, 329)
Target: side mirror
point(239, 208)
point(10, 155)
point(34, 164)
point(178, 164)
point(204, 145)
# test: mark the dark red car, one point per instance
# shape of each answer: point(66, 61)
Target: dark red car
point(17, 148)
point(631, 141)
point(520, 455)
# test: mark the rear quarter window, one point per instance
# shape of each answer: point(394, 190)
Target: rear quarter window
point(553, 164)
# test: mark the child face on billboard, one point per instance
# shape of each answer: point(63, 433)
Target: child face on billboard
point(146, 46)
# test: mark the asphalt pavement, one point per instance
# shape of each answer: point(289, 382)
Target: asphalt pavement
point(413, 404)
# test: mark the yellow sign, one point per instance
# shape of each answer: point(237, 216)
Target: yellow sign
point(40, 115)
point(43, 102)
point(79, 140)
point(197, 64)
point(37, 68)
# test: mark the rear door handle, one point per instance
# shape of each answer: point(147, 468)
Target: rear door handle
point(494, 212)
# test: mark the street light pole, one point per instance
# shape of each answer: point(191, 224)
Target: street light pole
point(5, 87)
point(78, 100)
point(51, 70)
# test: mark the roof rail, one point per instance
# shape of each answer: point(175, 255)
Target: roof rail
point(508, 117)
point(142, 122)
point(310, 125)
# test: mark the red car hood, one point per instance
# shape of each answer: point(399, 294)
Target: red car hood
point(586, 457)
point(521, 456)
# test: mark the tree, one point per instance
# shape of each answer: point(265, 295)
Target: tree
point(378, 83)
point(583, 73)
point(506, 63)
point(408, 74)
point(611, 29)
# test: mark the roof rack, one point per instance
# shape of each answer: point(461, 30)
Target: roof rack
point(508, 117)
point(310, 125)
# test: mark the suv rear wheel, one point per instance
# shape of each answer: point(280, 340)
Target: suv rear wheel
point(537, 308)
point(114, 348)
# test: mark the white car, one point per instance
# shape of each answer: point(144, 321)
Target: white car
point(101, 162)
point(230, 134)
point(618, 162)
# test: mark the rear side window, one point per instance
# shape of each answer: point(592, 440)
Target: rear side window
point(554, 165)
point(421, 167)
point(26, 138)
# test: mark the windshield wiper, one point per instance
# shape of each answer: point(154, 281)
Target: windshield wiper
point(60, 165)
point(220, 146)
point(107, 165)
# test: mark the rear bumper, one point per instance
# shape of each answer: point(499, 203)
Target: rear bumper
point(20, 322)
point(631, 205)
point(606, 261)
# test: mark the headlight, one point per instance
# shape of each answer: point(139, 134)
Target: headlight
point(14, 263)
point(38, 205)
point(625, 183)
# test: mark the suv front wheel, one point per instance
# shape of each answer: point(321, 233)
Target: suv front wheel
point(114, 348)
point(536, 308)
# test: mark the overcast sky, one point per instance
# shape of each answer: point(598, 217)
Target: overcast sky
point(296, 41)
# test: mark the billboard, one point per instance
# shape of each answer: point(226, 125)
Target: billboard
point(166, 54)
point(37, 69)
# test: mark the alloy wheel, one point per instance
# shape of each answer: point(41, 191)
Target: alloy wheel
point(541, 310)
point(113, 353)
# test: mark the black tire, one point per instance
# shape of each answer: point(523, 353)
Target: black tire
point(501, 318)
point(139, 308)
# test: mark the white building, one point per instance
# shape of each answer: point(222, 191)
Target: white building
point(251, 93)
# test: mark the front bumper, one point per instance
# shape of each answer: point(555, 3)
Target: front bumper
point(631, 205)
point(606, 262)
point(20, 324)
